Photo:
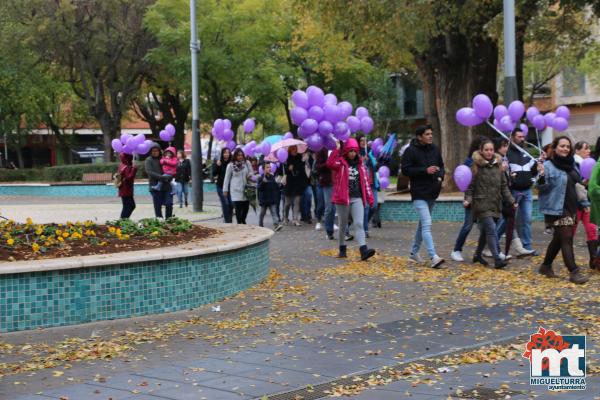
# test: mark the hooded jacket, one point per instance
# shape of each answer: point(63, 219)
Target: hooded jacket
point(339, 165)
point(184, 171)
point(169, 164)
point(488, 189)
point(268, 190)
point(416, 159)
point(155, 171)
point(523, 169)
point(127, 171)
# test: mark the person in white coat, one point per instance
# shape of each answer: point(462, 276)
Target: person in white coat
point(237, 175)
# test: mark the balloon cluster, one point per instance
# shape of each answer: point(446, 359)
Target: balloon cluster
point(321, 119)
point(131, 144)
point(384, 176)
point(507, 118)
point(222, 131)
point(377, 146)
point(251, 149)
point(167, 134)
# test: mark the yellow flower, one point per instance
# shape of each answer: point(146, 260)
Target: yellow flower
point(111, 229)
point(29, 221)
point(39, 230)
point(10, 241)
point(43, 237)
point(65, 234)
point(57, 232)
point(60, 239)
point(118, 232)
point(103, 244)
point(155, 233)
point(35, 247)
point(46, 244)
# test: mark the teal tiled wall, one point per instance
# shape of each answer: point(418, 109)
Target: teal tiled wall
point(453, 211)
point(79, 190)
point(74, 296)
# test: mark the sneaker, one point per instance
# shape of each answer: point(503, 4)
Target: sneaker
point(348, 237)
point(487, 253)
point(577, 277)
point(335, 227)
point(318, 226)
point(456, 256)
point(416, 258)
point(278, 227)
point(499, 264)
point(437, 261)
point(478, 259)
point(504, 256)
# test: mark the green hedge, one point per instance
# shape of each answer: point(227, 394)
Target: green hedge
point(63, 173)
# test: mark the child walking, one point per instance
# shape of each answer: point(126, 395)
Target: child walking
point(169, 165)
point(351, 194)
point(268, 196)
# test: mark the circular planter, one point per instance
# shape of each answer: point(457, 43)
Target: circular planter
point(75, 290)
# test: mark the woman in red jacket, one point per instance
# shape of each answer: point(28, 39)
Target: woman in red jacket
point(351, 193)
point(127, 172)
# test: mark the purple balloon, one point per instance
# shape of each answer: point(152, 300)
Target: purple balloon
point(218, 127)
point(125, 137)
point(341, 128)
point(329, 142)
point(249, 125)
point(227, 135)
point(325, 128)
point(560, 124)
point(376, 149)
point(524, 128)
point(366, 124)
point(345, 109)
point(378, 142)
point(303, 133)
point(230, 145)
point(383, 172)
point(586, 167)
point(331, 112)
point(466, 116)
point(353, 124)
point(164, 136)
point(549, 118)
point(309, 125)
point(462, 177)
point(266, 148)
point(316, 97)
point(142, 148)
point(261, 171)
point(516, 109)
point(563, 112)
point(298, 114)
point(500, 111)
point(226, 124)
point(344, 136)
point(384, 182)
point(507, 123)
point(288, 135)
point(531, 113)
point(497, 124)
point(139, 139)
point(300, 99)
point(330, 99)
point(314, 142)
point(539, 122)
point(483, 106)
point(362, 112)
point(316, 113)
point(170, 129)
point(117, 145)
point(282, 155)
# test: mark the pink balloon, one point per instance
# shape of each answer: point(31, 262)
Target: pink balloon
point(298, 114)
point(586, 167)
point(353, 124)
point(300, 99)
point(483, 106)
point(316, 113)
point(462, 177)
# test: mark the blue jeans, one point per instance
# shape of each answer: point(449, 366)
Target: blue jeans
point(320, 206)
point(369, 211)
point(329, 208)
point(523, 219)
point(226, 206)
point(465, 230)
point(182, 192)
point(423, 233)
point(306, 203)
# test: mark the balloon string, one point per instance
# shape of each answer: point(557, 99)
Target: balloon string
point(509, 141)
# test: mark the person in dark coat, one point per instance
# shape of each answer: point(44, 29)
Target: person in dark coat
point(422, 163)
point(218, 172)
point(295, 185)
point(127, 172)
point(155, 173)
point(268, 196)
point(325, 208)
point(183, 175)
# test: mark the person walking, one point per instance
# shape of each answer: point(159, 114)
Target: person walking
point(268, 196)
point(370, 164)
point(183, 175)
point(296, 180)
point(325, 208)
point(507, 223)
point(127, 171)
point(523, 172)
point(351, 193)
point(161, 194)
point(456, 254)
point(485, 195)
point(422, 163)
point(559, 201)
point(583, 151)
point(237, 175)
point(218, 171)
point(594, 196)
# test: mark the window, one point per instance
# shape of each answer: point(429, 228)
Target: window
point(573, 83)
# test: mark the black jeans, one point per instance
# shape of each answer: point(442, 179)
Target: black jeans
point(562, 240)
point(241, 211)
point(128, 206)
point(160, 199)
point(487, 234)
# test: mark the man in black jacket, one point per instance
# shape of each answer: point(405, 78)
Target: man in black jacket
point(422, 163)
point(523, 171)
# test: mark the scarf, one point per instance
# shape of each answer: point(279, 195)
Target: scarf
point(564, 163)
point(238, 165)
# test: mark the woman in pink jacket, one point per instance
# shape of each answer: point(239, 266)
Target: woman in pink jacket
point(351, 194)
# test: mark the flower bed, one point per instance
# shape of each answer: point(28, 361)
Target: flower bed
point(31, 241)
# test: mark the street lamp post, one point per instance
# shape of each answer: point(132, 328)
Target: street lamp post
point(197, 172)
point(510, 76)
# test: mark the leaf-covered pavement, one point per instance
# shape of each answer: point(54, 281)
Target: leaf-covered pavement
point(317, 318)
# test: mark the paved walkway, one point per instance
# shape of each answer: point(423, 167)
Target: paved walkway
point(320, 326)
